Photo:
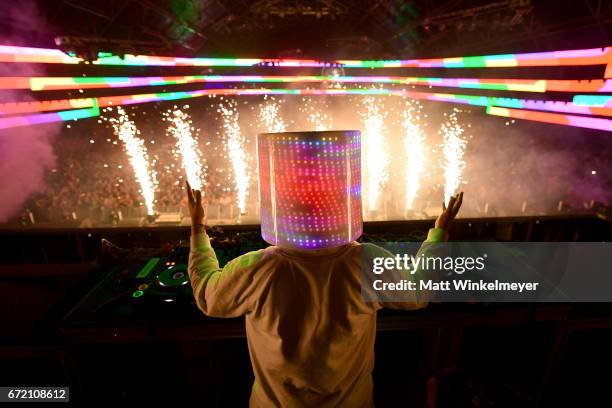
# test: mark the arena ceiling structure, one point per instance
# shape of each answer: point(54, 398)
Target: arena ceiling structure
point(141, 51)
point(319, 28)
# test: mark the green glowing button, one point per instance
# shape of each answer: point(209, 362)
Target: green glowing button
point(137, 294)
point(147, 268)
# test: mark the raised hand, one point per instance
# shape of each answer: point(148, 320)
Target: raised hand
point(449, 213)
point(196, 210)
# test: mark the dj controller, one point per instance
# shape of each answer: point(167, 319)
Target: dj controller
point(150, 285)
point(146, 284)
point(152, 282)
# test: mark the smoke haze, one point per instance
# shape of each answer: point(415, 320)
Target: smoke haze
point(26, 153)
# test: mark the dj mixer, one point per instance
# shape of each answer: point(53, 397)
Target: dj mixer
point(151, 284)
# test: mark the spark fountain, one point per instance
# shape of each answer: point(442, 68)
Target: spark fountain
point(270, 118)
point(414, 144)
point(145, 175)
point(375, 159)
point(453, 149)
point(181, 128)
point(237, 155)
point(315, 116)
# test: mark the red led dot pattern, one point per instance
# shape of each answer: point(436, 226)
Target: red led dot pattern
point(310, 188)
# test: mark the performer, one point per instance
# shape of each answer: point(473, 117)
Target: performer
point(310, 332)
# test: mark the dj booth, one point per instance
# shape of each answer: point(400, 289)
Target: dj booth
point(129, 330)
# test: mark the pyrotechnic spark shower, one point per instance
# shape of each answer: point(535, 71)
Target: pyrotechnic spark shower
point(187, 147)
point(375, 159)
point(235, 147)
point(414, 143)
point(316, 116)
point(320, 120)
point(127, 132)
point(453, 149)
point(270, 118)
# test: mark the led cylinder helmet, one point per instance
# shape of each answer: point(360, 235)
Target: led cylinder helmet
point(310, 188)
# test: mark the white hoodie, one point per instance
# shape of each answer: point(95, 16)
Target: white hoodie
point(310, 332)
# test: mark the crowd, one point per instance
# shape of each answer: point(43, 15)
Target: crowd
point(94, 183)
